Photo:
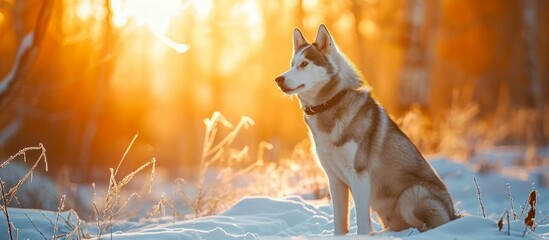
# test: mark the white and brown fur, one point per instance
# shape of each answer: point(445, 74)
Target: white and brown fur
point(360, 148)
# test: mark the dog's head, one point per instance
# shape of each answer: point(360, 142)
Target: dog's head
point(311, 63)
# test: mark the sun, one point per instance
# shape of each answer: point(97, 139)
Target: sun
point(84, 10)
point(156, 15)
point(202, 7)
point(160, 16)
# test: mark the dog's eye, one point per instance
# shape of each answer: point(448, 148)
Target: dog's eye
point(303, 64)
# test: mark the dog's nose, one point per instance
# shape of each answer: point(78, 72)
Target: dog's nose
point(279, 80)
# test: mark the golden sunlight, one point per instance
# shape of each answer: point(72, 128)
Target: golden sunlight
point(178, 47)
point(120, 17)
point(84, 10)
point(368, 28)
point(202, 7)
point(115, 67)
point(253, 18)
point(155, 14)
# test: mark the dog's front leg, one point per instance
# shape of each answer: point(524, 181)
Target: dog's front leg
point(340, 204)
point(362, 196)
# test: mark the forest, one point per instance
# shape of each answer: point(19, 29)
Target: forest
point(142, 119)
point(83, 77)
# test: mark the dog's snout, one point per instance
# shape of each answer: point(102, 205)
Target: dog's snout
point(279, 80)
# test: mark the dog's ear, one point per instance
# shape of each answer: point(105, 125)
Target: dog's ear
point(323, 41)
point(299, 40)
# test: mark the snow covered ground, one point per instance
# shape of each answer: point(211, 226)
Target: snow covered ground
point(257, 217)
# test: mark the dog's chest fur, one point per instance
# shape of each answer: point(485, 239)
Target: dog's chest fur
point(336, 153)
point(337, 160)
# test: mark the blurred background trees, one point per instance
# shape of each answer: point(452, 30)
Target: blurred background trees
point(99, 71)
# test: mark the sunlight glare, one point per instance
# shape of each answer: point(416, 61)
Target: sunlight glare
point(120, 17)
point(252, 10)
point(178, 47)
point(202, 7)
point(310, 5)
point(345, 21)
point(120, 20)
point(84, 10)
point(313, 17)
point(249, 11)
point(156, 14)
point(1, 18)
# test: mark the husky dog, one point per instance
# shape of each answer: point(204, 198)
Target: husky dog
point(360, 148)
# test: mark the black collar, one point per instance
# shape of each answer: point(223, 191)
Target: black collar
point(323, 107)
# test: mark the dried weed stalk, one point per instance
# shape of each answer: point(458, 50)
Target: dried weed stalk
point(159, 209)
point(4, 207)
point(10, 195)
point(238, 174)
point(511, 201)
point(209, 199)
point(529, 221)
point(59, 209)
point(112, 205)
point(500, 222)
point(23, 152)
point(479, 198)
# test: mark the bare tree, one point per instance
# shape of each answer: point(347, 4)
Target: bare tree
point(26, 55)
point(357, 8)
point(413, 76)
point(532, 68)
point(531, 26)
point(107, 60)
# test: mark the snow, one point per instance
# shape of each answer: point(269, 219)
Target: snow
point(260, 217)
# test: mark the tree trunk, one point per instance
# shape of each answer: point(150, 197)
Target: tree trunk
point(359, 44)
point(105, 72)
point(531, 46)
point(24, 59)
point(413, 78)
point(531, 27)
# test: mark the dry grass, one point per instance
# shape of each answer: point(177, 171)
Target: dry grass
point(7, 197)
point(529, 220)
point(457, 132)
point(74, 231)
point(5, 210)
point(229, 167)
point(205, 199)
point(461, 130)
point(235, 173)
point(510, 197)
point(464, 134)
point(481, 206)
point(298, 174)
point(59, 209)
point(500, 222)
point(112, 204)
point(159, 209)
point(23, 152)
